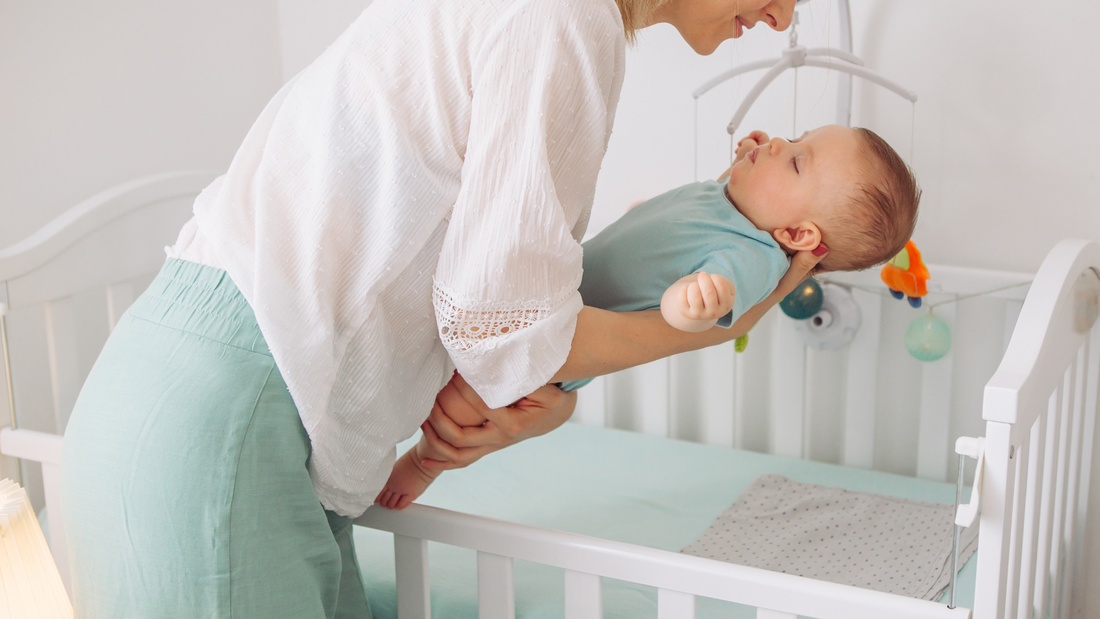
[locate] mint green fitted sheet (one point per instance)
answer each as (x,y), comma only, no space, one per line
(611,484)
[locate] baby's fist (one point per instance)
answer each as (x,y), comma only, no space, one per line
(754,139)
(709,297)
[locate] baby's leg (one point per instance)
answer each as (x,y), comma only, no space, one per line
(410,478)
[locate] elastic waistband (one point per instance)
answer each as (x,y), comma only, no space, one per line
(201,300)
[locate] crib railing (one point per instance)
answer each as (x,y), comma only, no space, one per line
(876,394)
(1040,409)
(679,578)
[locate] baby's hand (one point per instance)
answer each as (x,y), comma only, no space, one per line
(709,297)
(754,139)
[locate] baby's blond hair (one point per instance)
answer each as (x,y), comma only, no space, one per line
(881,213)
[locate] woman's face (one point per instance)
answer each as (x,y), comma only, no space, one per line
(704,24)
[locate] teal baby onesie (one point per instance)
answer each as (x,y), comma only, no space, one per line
(629,265)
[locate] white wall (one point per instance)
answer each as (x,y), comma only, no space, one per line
(94,94)
(306,28)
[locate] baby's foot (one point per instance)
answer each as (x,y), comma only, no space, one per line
(407,481)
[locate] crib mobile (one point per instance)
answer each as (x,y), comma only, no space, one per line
(827,314)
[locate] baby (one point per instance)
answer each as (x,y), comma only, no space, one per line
(706,252)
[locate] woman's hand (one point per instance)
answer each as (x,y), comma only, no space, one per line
(535,415)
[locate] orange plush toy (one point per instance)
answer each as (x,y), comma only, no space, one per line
(906,275)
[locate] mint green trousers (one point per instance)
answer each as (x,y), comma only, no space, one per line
(184,480)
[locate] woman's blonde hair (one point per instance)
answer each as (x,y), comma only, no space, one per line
(636,15)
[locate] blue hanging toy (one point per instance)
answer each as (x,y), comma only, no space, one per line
(928,338)
(804,301)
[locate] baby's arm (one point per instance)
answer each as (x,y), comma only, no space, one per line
(697,301)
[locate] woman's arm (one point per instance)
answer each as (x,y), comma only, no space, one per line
(506,282)
(606,342)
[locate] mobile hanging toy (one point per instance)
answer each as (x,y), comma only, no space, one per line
(928,338)
(906,276)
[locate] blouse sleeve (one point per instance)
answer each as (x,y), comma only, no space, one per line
(544,88)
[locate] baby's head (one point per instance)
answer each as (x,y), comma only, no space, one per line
(842,187)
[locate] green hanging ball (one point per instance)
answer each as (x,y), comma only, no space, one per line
(928,338)
(804,301)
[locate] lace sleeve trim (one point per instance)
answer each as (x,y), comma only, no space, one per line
(469,327)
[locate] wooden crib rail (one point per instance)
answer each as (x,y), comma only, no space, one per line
(679,578)
(1040,408)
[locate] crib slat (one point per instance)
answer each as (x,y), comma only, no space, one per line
(64,360)
(654,383)
(859,417)
(496,593)
(675,605)
(1030,524)
(413,589)
(1046,505)
(718,393)
(59,548)
(701,395)
(119,298)
(637,399)
(687,411)
(763,613)
(591,407)
(1016,541)
(935,410)
(1061,499)
(751,397)
(996,522)
(788,389)
(583,596)
(1076,596)
(1064,590)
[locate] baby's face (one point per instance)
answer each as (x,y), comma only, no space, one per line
(782,184)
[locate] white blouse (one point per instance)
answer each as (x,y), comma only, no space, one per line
(458,139)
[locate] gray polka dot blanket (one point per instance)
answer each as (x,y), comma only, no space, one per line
(853,538)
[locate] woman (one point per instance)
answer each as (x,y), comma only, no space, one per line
(440,153)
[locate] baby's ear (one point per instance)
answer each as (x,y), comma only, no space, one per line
(804,237)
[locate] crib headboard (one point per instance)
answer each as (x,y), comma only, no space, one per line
(66,285)
(868,405)
(1040,408)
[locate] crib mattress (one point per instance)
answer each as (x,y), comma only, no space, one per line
(611,484)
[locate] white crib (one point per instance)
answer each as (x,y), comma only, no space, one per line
(867,406)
